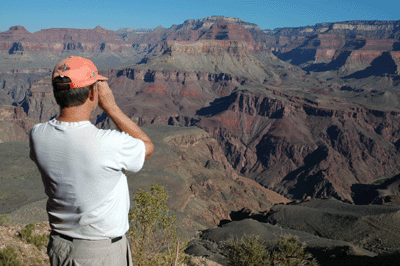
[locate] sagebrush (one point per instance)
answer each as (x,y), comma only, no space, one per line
(252,251)
(152,232)
(27,235)
(8,257)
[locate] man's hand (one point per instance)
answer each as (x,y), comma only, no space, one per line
(123,123)
(106,97)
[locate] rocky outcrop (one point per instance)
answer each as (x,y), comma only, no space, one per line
(15,33)
(207,22)
(224,30)
(14,124)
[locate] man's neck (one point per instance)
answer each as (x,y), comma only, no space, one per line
(74,114)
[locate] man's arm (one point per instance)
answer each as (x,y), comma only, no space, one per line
(123,122)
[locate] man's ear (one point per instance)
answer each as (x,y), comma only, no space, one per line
(92,93)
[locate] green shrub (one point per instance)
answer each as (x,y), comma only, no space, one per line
(289,252)
(152,233)
(39,240)
(26,232)
(8,257)
(5,220)
(251,251)
(36,240)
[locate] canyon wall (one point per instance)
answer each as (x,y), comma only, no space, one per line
(300,149)
(346,46)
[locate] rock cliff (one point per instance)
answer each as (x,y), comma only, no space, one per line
(14,124)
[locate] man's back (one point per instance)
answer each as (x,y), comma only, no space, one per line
(81,168)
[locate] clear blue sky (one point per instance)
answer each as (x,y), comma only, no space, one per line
(35,15)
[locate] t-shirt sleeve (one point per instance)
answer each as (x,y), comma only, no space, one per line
(131,153)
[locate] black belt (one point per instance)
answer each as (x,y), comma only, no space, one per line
(113,240)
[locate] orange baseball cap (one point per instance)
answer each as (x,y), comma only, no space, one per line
(81,71)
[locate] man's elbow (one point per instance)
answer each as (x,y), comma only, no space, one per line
(149,149)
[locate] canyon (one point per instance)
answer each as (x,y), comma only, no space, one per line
(249,118)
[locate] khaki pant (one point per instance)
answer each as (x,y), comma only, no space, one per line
(63,252)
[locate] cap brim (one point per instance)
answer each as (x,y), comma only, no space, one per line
(101,78)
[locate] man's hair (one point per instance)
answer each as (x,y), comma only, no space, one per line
(70,97)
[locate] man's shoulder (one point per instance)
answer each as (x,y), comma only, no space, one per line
(43,124)
(37,126)
(115,134)
(117,140)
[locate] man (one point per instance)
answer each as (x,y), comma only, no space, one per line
(82,168)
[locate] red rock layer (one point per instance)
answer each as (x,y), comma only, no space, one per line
(227,31)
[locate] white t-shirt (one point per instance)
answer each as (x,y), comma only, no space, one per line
(82,171)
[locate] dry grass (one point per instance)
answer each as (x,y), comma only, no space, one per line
(28,254)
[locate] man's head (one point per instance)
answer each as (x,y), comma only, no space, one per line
(73,78)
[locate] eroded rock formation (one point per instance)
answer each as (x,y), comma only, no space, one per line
(14,124)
